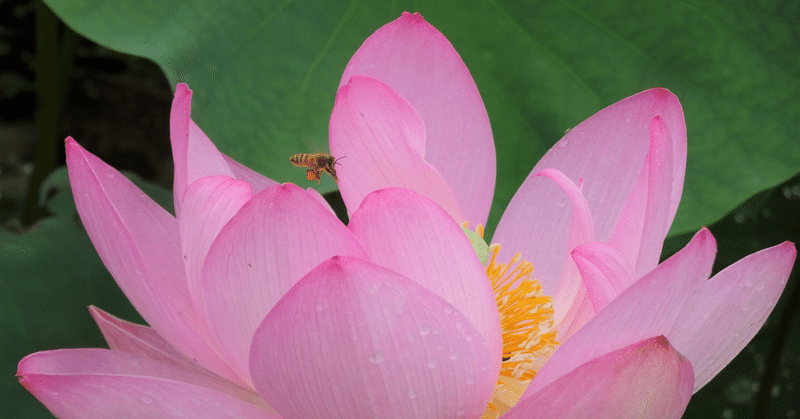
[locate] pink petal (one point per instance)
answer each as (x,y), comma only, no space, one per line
(606,152)
(194,154)
(647,379)
(419,63)
(257,181)
(604,270)
(272,242)
(208,204)
(138,242)
(98,383)
(569,296)
(647,308)
(137,340)
(652,203)
(383,139)
(724,313)
(411,235)
(355,340)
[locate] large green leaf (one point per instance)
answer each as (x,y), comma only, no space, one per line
(265,75)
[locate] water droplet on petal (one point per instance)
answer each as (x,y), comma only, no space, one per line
(454,354)
(147,399)
(412,394)
(376,357)
(424,330)
(322,304)
(432,363)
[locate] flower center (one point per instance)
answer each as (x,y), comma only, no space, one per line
(527,325)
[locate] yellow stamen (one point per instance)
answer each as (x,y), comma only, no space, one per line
(526,321)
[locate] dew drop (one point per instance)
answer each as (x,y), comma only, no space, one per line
(322,304)
(760,287)
(411,338)
(374,288)
(147,399)
(195,401)
(448,309)
(748,283)
(424,330)
(139,272)
(563,143)
(469,338)
(454,354)
(412,394)
(432,363)
(470,379)
(376,357)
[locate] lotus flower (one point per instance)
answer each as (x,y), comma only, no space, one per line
(262,304)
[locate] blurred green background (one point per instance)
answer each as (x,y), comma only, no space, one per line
(265,73)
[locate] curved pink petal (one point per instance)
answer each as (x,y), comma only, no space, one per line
(137,340)
(606,152)
(411,235)
(418,62)
(321,199)
(99,383)
(651,205)
(568,298)
(208,204)
(726,312)
(257,181)
(194,155)
(355,340)
(605,272)
(383,139)
(647,308)
(647,379)
(139,243)
(272,242)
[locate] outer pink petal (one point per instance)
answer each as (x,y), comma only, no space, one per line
(272,242)
(355,340)
(208,204)
(604,270)
(606,152)
(383,139)
(647,379)
(647,308)
(652,203)
(417,61)
(257,181)
(139,242)
(138,340)
(193,153)
(98,383)
(726,312)
(411,235)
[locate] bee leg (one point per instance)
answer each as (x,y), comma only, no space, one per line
(331,171)
(312,175)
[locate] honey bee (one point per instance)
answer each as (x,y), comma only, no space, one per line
(316,163)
